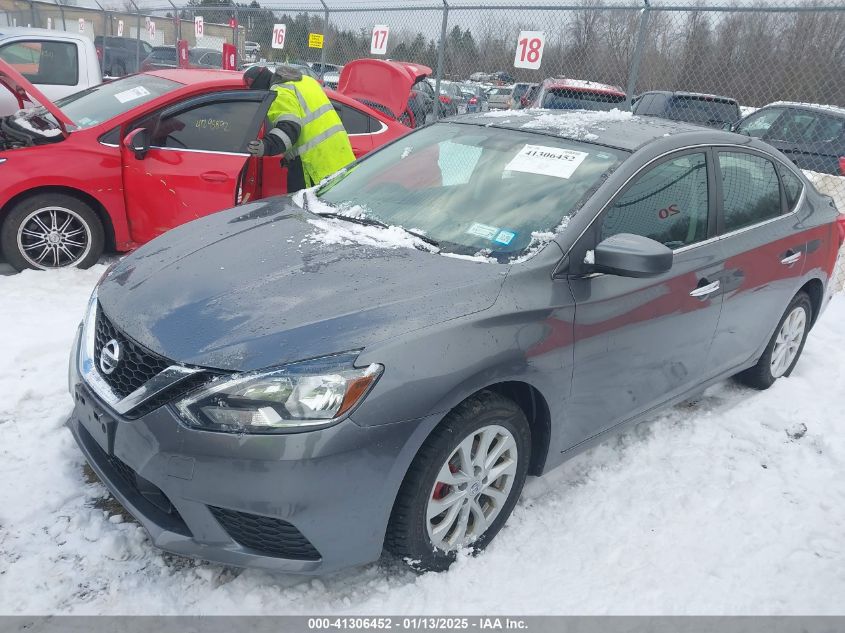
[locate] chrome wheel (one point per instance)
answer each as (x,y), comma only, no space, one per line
(53,237)
(471,488)
(788,341)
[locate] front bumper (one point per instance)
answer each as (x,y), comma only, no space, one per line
(306,503)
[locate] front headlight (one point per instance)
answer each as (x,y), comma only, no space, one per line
(294,397)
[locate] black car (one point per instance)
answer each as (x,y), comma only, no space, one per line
(811,135)
(692,107)
(121,56)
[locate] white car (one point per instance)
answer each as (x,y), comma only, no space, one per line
(58,63)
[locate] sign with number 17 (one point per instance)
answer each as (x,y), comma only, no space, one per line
(529,49)
(378,45)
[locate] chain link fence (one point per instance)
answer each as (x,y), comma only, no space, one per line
(754,55)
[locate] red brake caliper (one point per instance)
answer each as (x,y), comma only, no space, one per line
(441,489)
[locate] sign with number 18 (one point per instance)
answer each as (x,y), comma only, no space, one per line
(529,49)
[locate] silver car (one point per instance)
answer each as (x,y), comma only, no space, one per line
(500,97)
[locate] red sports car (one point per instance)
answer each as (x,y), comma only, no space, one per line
(79,177)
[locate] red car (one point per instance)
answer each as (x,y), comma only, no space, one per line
(118,164)
(560,93)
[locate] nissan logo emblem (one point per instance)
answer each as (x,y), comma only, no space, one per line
(110,356)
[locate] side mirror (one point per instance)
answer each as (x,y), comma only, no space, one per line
(628,255)
(138,141)
(728,126)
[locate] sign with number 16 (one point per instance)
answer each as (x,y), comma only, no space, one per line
(529,49)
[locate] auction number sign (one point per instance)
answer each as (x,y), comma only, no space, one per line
(199,27)
(378,45)
(529,49)
(120,28)
(151,31)
(279,31)
(81,25)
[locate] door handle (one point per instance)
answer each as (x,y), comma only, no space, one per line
(791,258)
(214,176)
(703,291)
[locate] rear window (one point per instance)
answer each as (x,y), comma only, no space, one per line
(165,54)
(701,110)
(570,99)
(500,91)
(101,103)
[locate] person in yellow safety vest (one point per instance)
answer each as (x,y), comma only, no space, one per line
(306,129)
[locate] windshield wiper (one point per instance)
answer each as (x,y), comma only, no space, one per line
(374,222)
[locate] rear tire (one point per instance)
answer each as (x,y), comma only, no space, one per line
(785,347)
(52,230)
(441,507)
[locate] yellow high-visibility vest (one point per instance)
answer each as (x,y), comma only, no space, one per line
(323,145)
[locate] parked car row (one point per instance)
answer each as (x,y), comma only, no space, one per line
(812,135)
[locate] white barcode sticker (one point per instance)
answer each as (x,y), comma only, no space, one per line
(546,161)
(132,94)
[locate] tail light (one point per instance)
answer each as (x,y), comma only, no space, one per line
(445,99)
(842,165)
(473,101)
(99,50)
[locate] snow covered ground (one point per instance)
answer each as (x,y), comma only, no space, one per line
(734,505)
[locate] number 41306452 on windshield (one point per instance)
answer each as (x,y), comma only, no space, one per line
(529,49)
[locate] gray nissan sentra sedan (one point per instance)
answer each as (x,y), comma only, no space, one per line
(293,386)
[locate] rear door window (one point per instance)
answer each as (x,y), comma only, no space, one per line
(354,121)
(44,62)
(792,186)
(750,190)
(668,203)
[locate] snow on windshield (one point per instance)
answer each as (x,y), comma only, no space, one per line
(336,231)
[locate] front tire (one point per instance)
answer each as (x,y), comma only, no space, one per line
(785,347)
(463,484)
(52,230)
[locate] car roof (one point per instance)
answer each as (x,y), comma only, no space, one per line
(16,31)
(818,107)
(615,128)
(682,93)
(209,77)
(582,84)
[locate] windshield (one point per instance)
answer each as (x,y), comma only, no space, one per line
(98,104)
(702,110)
(570,99)
(474,190)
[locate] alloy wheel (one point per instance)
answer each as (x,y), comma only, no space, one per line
(471,488)
(788,341)
(53,237)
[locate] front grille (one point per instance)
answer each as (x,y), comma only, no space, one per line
(148,497)
(267,535)
(137,364)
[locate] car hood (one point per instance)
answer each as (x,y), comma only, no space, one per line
(259,286)
(23,90)
(387,83)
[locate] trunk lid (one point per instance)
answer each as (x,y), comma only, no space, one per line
(381,82)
